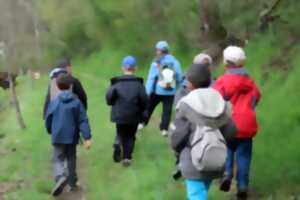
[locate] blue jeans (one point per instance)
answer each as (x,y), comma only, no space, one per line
(197,189)
(241,150)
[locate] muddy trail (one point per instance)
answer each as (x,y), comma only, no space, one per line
(10,187)
(253,195)
(79,194)
(76,195)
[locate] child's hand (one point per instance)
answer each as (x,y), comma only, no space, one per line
(88,144)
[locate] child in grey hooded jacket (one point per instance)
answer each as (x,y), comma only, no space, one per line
(203,106)
(200,59)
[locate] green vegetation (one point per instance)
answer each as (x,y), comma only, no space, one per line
(97,34)
(135,25)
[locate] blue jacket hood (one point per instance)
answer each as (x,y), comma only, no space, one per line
(165,59)
(66,96)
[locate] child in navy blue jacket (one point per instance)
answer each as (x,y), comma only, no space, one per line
(127,96)
(65,119)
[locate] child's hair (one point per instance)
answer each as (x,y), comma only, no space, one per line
(165,51)
(63,63)
(129,69)
(199,75)
(64,82)
(203,58)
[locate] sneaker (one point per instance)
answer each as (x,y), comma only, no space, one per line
(126,162)
(177,175)
(117,154)
(164,133)
(225,185)
(74,187)
(59,186)
(242,195)
(141,126)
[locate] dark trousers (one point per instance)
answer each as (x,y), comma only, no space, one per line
(167,102)
(126,135)
(65,154)
(239,150)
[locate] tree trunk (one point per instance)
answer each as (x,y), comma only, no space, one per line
(28,5)
(15,102)
(214,35)
(267,17)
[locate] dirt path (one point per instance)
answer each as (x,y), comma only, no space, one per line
(8,187)
(78,195)
(253,195)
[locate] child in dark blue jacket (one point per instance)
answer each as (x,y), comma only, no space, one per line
(127,96)
(65,118)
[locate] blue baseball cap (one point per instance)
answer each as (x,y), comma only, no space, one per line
(162,45)
(129,62)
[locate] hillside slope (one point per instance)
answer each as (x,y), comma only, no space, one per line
(25,167)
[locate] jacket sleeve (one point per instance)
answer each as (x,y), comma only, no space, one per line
(80,92)
(48,121)
(83,122)
(219,86)
(111,95)
(46,104)
(179,76)
(179,133)
(229,130)
(143,101)
(181,92)
(152,76)
(256,95)
(143,98)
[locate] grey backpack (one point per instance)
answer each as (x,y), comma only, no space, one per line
(208,149)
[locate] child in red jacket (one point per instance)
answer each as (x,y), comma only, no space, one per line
(237,87)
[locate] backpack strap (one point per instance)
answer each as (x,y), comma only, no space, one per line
(196,142)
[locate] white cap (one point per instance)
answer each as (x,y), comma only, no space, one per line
(235,55)
(202,58)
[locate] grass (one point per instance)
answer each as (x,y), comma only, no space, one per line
(26,155)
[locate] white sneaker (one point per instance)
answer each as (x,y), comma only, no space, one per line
(164,133)
(126,162)
(141,126)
